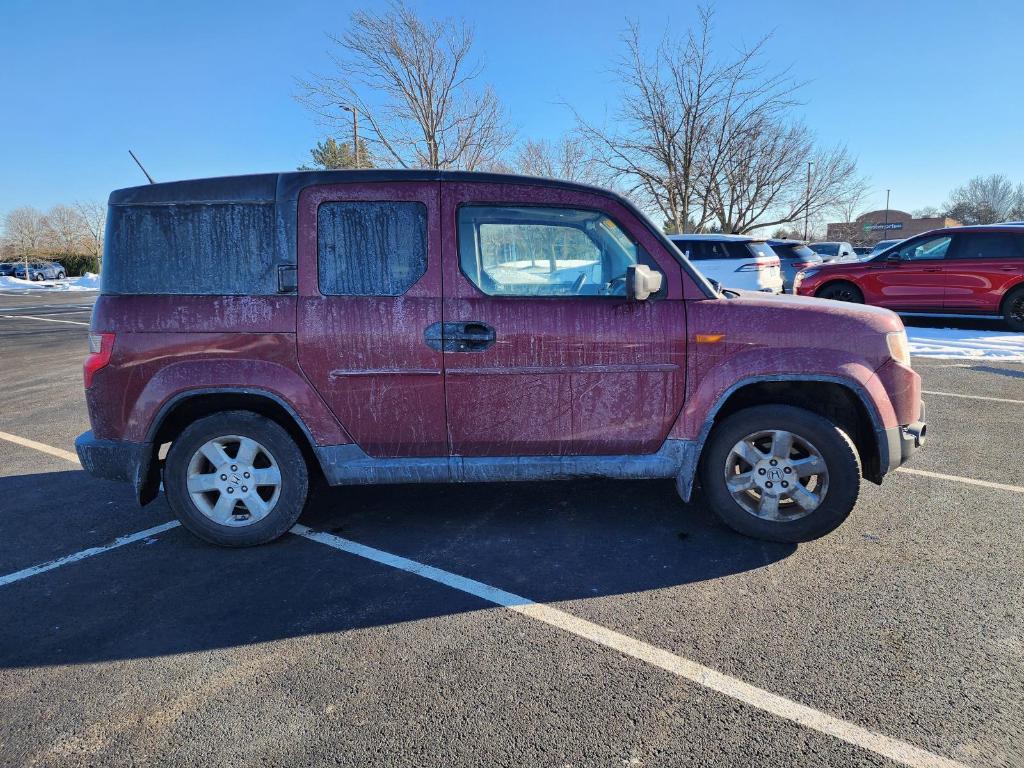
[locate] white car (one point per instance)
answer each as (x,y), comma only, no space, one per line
(734,261)
(834,251)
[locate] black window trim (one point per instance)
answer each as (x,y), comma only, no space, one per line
(640,250)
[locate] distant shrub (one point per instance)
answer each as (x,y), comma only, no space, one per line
(78,264)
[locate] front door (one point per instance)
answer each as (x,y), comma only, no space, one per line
(915,281)
(544,353)
(369,285)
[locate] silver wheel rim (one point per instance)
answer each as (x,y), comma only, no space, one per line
(776,475)
(234,480)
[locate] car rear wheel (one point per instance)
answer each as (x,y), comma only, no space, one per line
(37,277)
(61,275)
(841,291)
(1013,310)
(780,473)
(236,479)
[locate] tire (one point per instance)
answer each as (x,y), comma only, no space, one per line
(830,448)
(841,290)
(1013,309)
(37,277)
(60,276)
(259,514)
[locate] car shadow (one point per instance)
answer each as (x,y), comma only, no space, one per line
(1013,373)
(174,594)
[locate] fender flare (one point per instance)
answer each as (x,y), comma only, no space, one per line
(688,470)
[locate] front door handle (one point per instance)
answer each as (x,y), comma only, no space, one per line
(465,336)
(933,269)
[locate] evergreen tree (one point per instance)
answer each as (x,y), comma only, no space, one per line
(329,155)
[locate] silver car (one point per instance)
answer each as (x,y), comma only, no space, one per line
(40,270)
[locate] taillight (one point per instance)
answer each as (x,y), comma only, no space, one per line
(758,266)
(801,264)
(100,347)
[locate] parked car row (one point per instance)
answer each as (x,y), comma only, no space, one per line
(975,270)
(37,270)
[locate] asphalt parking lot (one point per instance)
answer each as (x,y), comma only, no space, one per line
(655,636)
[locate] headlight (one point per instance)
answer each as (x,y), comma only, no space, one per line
(899,347)
(804,274)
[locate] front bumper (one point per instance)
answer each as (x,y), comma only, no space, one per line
(120,460)
(904,441)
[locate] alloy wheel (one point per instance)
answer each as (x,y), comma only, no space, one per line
(234,480)
(776,475)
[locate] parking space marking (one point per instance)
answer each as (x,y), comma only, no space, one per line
(780,706)
(972,397)
(119,542)
(46,319)
(60,453)
(959,479)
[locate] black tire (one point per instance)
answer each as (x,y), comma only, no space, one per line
(841,290)
(37,277)
(1013,309)
(61,275)
(294,474)
(836,448)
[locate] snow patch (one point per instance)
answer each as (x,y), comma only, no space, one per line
(87,282)
(953,343)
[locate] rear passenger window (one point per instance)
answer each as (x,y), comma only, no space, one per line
(370,249)
(989,246)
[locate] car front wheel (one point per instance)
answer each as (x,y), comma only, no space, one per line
(841,291)
(236,479)
(780,473)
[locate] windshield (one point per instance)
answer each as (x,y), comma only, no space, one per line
(826,249)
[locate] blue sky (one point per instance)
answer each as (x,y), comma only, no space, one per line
(924,94)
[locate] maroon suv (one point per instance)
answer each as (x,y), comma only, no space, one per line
(419,326)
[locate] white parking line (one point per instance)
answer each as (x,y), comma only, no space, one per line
(120,542)
(972,397)
(47,319)
(41,447)
(780,706)
(966,480)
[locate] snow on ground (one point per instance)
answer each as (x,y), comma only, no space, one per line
(87,282)
(954,343)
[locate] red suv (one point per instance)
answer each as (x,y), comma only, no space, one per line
(420,326)
(961,271)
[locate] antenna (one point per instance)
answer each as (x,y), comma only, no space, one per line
(141,167)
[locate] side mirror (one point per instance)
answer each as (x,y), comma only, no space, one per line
(642,281)
(894,256)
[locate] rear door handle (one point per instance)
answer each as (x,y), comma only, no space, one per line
(933,269)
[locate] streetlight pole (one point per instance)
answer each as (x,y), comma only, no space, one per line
(885,226)
(807,202)
(355,132)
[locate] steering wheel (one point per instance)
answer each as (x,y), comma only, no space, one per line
(615,284)
(577,286)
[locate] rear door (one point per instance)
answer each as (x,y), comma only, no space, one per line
(981,269)
(544,354)
(915,281)
(369,287)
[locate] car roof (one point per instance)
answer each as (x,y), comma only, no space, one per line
(784,241)
(268,187)
(720,238)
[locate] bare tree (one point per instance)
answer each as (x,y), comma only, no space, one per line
(565,159)
(425,111)
(65,230)
(712,142)
(986,200)
(24,233)
(94,215)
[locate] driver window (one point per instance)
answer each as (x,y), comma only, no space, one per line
(931,248)
(527,251)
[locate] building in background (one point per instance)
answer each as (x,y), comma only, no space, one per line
(873,226)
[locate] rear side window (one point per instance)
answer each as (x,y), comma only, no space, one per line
(995,245)
(369,248)
(195,248)
(705,250)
